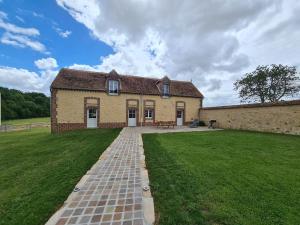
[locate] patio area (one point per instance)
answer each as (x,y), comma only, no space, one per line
(150,129)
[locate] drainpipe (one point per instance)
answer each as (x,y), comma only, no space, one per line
(141,109)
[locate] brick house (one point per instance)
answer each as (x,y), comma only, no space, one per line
(83,99)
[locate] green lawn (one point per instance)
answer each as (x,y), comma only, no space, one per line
(38,170)
(224,177)
(27,121)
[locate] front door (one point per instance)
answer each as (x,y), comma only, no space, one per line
(179,116)
(92,118)
(131,117)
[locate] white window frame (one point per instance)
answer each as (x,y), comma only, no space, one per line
(147,113)
(131,113)
(92,114)
(113,85)
(166,90)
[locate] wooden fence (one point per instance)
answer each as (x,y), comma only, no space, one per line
(10,127)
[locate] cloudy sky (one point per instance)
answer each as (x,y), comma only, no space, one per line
(211,42)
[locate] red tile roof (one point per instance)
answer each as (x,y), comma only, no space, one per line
(96,81)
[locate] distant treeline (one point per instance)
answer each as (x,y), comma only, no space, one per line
(16,104)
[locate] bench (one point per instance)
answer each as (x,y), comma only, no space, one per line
(165,124)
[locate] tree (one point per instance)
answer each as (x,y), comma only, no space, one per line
(17,105)
(268,84)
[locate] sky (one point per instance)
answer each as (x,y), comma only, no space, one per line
(211,43)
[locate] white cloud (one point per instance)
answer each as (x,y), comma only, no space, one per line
(22,41)
(20,19)
(46,63)
(35,14)
(211,42)
(63,34)
(84,67)
(26,80)
(3,15)
(20,36)
(87,16)
(18,30)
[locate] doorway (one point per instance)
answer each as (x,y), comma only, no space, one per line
(179,117)
(131,117)
(92,115)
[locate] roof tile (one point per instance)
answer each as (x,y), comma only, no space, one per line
(95,81)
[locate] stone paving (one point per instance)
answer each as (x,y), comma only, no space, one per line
(151,129)
(111,193)
(115,191)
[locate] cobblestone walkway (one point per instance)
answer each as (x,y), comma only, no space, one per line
(111,193)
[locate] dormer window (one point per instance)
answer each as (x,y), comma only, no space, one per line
(164,86)
(113,87)
(166,90)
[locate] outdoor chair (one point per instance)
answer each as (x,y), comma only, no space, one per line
(212,124)
(194,124)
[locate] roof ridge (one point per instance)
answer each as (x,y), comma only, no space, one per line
(138,76)
(182,81)
(123,75)
(85,71)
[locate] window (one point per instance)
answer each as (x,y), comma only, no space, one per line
(179,114)
(113,87)
(92,113)
(148,114)
(166,90)
(131,113)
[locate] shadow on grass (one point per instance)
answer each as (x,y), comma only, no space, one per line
(176,195)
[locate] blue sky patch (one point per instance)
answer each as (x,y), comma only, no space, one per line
(77,47)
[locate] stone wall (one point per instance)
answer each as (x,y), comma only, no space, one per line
(282,117)
(69,108)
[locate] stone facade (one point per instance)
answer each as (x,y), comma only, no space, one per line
(282,117)
(68,111)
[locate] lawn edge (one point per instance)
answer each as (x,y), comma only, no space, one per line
(54,218)
(148,202)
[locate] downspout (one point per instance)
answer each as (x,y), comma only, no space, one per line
(141,109)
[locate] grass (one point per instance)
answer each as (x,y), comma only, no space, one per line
(38,170)
(27,121)
(224,177)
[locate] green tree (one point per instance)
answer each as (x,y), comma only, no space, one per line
(268,84)
(18,105)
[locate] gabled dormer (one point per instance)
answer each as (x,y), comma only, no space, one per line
(164,87)
(113,83)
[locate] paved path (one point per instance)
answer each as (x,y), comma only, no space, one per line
(151,129)
(111,193)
